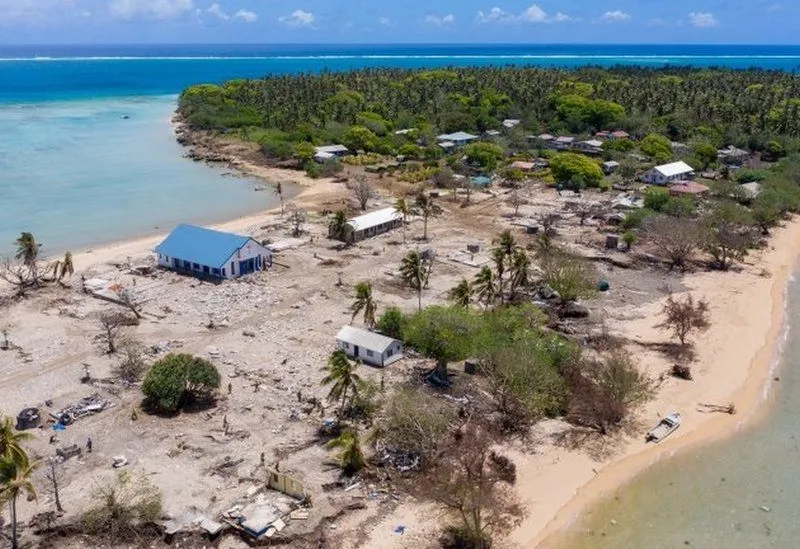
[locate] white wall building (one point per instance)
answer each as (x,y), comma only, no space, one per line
(214,254)
(667,173)
(375,223)
(369,347)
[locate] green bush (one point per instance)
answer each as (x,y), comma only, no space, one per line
(392,323)
(179,379)
(576,170)
(635,218)
(656,198)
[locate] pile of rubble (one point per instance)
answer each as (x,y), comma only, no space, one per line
(93,404)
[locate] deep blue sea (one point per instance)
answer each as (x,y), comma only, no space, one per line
(76,173)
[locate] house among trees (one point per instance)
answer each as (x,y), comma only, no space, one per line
(562,143)
(509,123)
(458,139)
(732,155)
(619,134)
(592,146)
(542,140)
(668,173)
(369,347)
(375,223)
(610,167)
(215,254)
(329,152)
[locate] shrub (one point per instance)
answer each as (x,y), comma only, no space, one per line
(125,508)
(179,379)
(635,218)
(576,170)
(392,323)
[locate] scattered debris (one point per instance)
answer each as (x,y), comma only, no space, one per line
(711,408)
(92,404)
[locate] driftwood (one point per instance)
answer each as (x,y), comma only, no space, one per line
(711,408)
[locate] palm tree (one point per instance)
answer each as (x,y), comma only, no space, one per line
(519,270)
(279,192)
(414,272)
(10,439)
(364,301)
(28,252)
(507,243)
(340,229)
(427,208)
(342,377)
(15,480)
(402,207)
(351,458)
(461,293)
(485,286)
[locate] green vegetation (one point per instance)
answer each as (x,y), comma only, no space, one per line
(708,107)
(178,380)
(343,379)
(576,171)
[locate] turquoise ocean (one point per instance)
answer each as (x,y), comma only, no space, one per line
(76,173)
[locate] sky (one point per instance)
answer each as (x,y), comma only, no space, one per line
(399,21)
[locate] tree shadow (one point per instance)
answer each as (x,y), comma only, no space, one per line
(673,351)
(598,446)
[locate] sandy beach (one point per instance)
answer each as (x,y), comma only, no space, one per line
(736,357)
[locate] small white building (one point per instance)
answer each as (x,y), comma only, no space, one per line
(213,254)
(667,173)
(375,223)
(610,167)
(329,152)
(369,347)
(459,139)
(509,123)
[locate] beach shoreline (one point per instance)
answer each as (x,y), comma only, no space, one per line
(749,397)
(592,482)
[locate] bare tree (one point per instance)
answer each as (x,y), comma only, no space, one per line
(53,475)
(128,298)
(585,209)
(111,325)
(604,392)
(297,218)
(363,191)
(676,238)
(515,200)
(132,365)
(684,317)
(19,276)
(476,484)
(278,191)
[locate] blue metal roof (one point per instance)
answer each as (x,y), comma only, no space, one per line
(200,245)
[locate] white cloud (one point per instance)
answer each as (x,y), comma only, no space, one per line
(496,15)
(702,20)
(149,9)
(774,7)
(246,15)
(532,14)
(298,19)
(385,21)
(438,21)
(216,11)
(614,16)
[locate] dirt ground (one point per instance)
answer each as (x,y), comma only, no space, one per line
(272,334)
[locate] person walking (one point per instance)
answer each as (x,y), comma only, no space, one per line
(89,445)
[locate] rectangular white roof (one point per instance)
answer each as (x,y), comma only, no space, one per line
(594,143)
(673,169)
(511,122)
(457,136)
(365,339)
(373,219)
(332,149)
(565,139)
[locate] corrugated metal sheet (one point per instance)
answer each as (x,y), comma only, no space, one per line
(200,245)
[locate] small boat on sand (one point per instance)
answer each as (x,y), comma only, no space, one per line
(664,428)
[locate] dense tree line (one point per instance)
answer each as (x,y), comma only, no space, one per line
(363,107)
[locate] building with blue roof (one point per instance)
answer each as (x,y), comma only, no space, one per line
(209,253)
